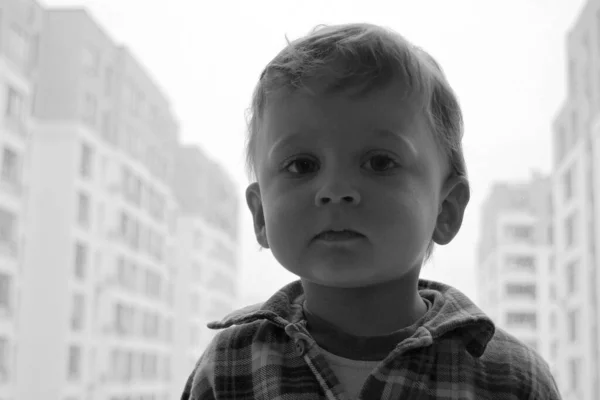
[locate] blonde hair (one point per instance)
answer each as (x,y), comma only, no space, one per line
(362,58)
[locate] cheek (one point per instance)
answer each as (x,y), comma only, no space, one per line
(284,215)
(405,217)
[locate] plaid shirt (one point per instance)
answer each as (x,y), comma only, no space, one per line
(457,353)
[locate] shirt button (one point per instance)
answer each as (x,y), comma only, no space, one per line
(300,347)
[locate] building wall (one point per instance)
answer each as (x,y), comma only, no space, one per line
(20,23)
(96,111)
(575,184)
(515,270)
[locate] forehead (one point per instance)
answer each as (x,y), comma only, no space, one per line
(312,114)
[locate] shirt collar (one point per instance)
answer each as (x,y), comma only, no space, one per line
(452,313)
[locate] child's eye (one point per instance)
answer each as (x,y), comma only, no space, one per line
(301,166)
(380,163)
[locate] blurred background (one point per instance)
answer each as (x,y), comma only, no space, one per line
(123,224)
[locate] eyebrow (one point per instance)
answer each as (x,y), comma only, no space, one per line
(389,134)
(378,133)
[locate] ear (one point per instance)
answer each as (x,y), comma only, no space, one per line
(454,199)
(254,201)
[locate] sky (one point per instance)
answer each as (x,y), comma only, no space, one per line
(505,60)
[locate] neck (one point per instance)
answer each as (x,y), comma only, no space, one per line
(374,310)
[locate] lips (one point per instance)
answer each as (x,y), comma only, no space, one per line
(332,235)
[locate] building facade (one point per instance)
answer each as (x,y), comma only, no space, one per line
(208,264)
(98,272)
(516,274)
(20,26)
(576,194)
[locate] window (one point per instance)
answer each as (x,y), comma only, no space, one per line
(152,285)
(572,77)
(144,238)
(570,230)
(198,240)
(521,290)
(159,250)
(85,167)
(132,142)
(521,320)
(81,260)
(90,105)
(78,312)
(196,272)
(122,271)
(553,320)
(149,366)
(15,105)
(167,369)
(5,291)
(18,46)
(168,330)
(124,224)
(74,363)
(7,227)
(574,373)
(130,230)
(122,363)
(519,233)
(121,319)
(134,240)
(574,124)
(573,321)
(10,166)
(4,360)
(568,183)
(128,367)
(572,272)
(126,178)
(554,349)
(83,210)
(34,45)
(90,61)
(125,317)
(150,325)
(108,81)
(521,263)
(106,127)
(136,191)
(561,143)
(553,295)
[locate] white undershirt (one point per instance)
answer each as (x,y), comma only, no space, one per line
(352,374)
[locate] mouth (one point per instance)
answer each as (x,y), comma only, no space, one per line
(339,235)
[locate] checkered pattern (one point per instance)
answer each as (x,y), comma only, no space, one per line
(266,352)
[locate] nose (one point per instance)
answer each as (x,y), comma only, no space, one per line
(337,192)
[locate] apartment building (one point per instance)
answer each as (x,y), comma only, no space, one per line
(208,265)
(96,320)
(516,272)
(576,194)
(20,25)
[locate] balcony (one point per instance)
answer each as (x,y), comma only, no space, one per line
(16,126)
(11,187)
(9,248)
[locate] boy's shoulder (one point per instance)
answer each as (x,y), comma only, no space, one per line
(488,359)
(507,356)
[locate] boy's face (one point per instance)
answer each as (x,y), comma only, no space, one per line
(369,165)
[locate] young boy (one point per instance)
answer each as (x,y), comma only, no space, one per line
(355,144)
